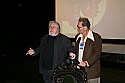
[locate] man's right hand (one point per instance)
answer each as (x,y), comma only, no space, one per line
(30,52)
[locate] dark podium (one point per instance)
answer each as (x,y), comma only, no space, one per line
(69,73)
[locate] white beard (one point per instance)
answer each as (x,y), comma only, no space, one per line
(52,34)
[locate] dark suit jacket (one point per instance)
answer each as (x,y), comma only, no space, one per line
(91,54)
(62,48)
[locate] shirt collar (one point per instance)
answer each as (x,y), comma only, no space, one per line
(90,36)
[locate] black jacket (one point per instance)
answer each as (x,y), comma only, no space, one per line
(62,48)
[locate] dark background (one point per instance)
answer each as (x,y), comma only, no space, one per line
(23,23)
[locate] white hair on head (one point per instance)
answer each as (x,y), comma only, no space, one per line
(55,23)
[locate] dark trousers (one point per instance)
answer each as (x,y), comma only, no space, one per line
(47,76)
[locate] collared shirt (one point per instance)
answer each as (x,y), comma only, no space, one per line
(82,43)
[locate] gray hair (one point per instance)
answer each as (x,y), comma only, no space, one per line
(55,23)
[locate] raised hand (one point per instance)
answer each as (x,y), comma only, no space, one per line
(30,52)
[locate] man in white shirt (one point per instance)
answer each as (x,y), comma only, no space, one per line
(88,50)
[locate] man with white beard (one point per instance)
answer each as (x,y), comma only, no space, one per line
(54,49)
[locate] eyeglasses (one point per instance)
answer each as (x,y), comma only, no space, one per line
(53,27)
(79,27)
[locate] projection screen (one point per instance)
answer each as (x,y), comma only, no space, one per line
(107,17)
